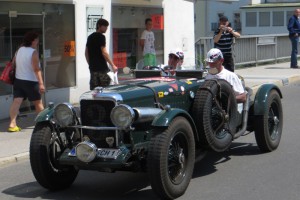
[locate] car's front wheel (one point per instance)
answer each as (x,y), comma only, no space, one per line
(171,159)
(45,148)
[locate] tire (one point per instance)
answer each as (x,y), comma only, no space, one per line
(171,158)
(268,128)
(44,152)
(216,128)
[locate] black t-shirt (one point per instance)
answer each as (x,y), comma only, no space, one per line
(94,43)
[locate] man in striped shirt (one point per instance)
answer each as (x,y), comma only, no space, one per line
(223,39)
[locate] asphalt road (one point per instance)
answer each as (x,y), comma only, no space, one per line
(242,172)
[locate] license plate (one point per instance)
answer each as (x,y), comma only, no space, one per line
(108,153)
(101,153)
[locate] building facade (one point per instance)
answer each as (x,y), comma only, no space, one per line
(64,26)
(249,17)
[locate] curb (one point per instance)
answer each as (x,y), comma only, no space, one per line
(15,158)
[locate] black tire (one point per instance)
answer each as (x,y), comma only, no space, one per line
(216,127)
(44,151)
(268,128)
(171,158)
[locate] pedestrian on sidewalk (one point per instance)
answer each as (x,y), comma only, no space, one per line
(294,33)
(223,40)
(97,56)
(29,82)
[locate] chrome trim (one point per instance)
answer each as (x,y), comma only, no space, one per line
(145,114)
(109,96)
(101,95)
(101,128)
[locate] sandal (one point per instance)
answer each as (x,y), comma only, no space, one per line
(14,129)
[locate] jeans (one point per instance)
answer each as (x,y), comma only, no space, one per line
(295,42)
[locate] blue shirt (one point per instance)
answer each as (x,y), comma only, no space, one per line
(294,25)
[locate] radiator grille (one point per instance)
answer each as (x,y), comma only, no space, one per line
(97,113)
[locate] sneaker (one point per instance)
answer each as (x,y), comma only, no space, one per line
(14,129)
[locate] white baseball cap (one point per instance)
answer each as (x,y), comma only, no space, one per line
(214,55)
(178,53)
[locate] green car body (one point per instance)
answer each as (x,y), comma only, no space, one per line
(170,120)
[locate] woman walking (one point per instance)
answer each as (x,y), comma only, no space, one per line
(29,82)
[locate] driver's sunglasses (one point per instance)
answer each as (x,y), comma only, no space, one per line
(171,56)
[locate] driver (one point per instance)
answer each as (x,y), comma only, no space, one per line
(217,71)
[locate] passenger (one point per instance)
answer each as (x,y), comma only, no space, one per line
(176,58)
(217,71)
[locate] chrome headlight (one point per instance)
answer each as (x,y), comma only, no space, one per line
(86,151)
(64,114)
(122,116)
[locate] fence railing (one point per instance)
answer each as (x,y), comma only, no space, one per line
(250,49)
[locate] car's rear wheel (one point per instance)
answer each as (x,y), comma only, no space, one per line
(215,113)
(268,127)
(171,159)
(45,148)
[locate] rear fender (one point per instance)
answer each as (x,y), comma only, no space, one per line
(262,96)
(165,117)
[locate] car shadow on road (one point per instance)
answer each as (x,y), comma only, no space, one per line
(123,185)
(91,185)
(208,164)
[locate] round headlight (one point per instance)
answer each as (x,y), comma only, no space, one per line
(86,151)
(122,116)
(64,115)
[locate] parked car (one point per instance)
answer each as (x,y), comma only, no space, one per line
(151,123)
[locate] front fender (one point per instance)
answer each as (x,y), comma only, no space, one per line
(165,117)
(45,115)
(262,96)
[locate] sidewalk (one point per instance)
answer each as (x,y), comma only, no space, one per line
(15,146)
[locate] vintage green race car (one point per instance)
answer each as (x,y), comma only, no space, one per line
(150,123)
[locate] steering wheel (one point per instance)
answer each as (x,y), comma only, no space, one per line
(152,68)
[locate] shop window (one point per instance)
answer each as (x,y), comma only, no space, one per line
(60,69)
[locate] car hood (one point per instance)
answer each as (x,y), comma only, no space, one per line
(145,92)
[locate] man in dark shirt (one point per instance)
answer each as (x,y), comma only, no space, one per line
(97,56)
(223,39)
(294,33)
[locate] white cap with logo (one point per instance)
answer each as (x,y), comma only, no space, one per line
(214,55)
(178,53)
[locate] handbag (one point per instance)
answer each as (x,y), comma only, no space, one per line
(9,73)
